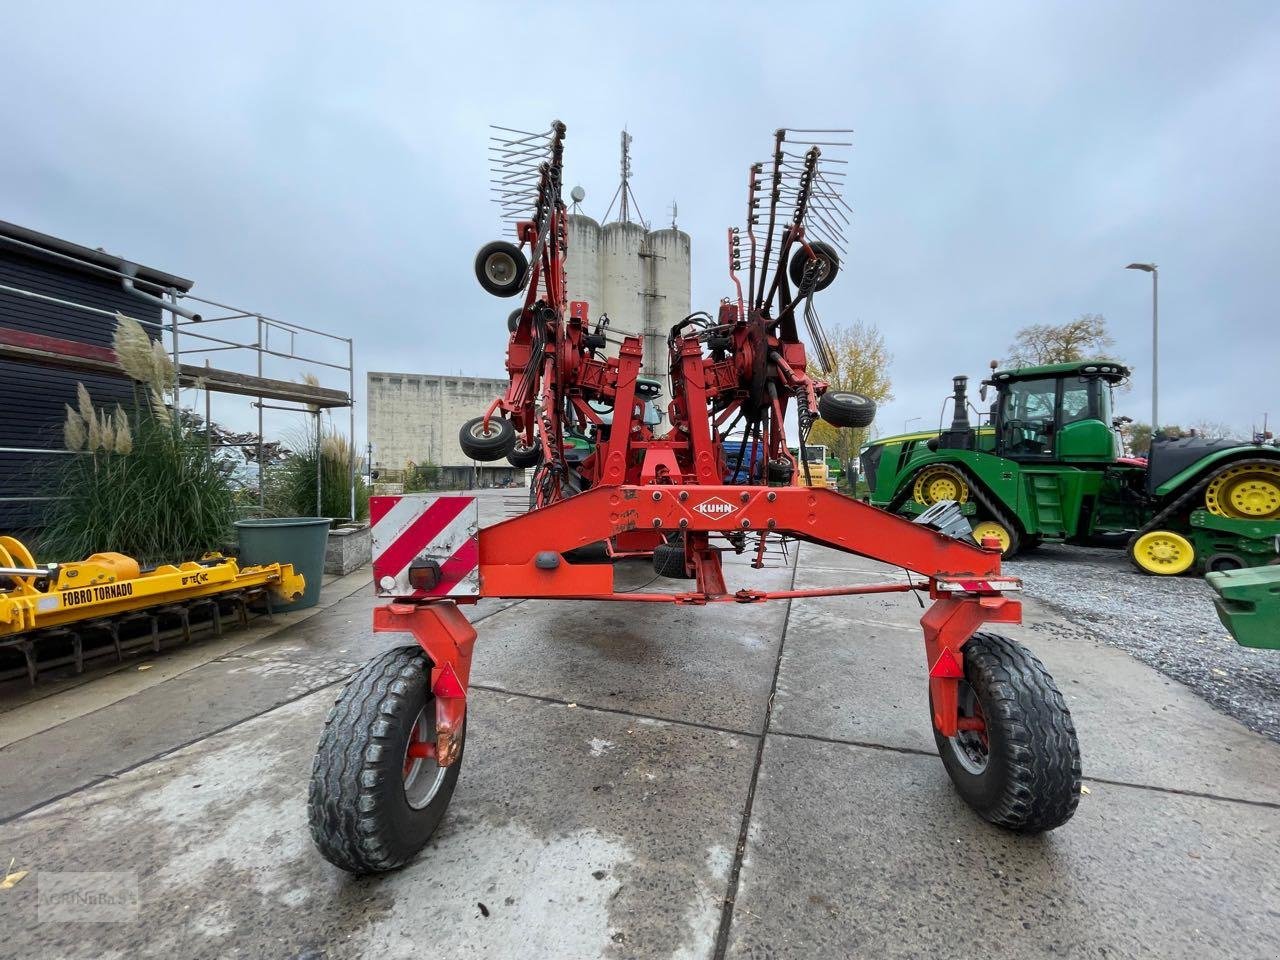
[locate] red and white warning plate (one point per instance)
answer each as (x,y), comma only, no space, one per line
(419,526)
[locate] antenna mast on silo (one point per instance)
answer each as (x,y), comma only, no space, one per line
(628,198)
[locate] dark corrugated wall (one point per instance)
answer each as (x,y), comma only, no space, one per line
(31,395)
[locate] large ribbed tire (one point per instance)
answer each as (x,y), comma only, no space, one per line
(668,561)
(369,813)
(1026,776)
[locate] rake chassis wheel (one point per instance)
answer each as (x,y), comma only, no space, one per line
(1015,759)
(376,797)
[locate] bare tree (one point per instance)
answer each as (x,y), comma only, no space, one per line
(1080,339)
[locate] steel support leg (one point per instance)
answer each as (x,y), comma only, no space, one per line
(448,638)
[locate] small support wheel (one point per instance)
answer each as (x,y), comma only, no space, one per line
(486,443)
(522,457)
(843,408)
(828,264)
(1016,759)
(668,561)
(501,268)
(375,796)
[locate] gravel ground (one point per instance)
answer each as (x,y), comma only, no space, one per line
(1166,622)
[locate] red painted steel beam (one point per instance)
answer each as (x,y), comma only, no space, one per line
(508,549)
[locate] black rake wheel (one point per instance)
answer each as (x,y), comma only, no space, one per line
(522,457)
(486,443)
(1023,771)
(844,408)
(501,268)
(370,805)
(828,264)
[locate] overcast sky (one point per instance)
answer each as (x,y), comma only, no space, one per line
(326,164)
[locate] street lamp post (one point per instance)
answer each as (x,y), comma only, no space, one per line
(1155,341)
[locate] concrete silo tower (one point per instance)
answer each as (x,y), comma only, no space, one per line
(638,276)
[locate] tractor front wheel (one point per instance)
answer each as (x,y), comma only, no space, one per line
(1163,552)
(376,795)
(1016,759)
(1005,534)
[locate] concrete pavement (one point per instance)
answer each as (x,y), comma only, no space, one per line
(646,782)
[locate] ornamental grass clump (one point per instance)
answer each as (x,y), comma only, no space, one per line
(291,489)
(142,485)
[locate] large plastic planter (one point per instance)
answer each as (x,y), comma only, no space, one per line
(296,540)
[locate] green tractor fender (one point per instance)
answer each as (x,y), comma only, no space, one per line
(1199,468)
(996,477)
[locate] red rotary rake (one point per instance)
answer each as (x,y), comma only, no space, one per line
(392,747)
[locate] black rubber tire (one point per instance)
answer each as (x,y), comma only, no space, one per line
(844,408)
(360,818)
(1223,561)
(513,319)
(668,561)
(502,268)
(1031,782)
(778,473)
(825,252)
(524,458)
(486,447)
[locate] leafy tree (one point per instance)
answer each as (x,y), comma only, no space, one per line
(1079,339)
(862,366)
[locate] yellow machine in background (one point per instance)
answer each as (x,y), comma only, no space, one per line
(109,590)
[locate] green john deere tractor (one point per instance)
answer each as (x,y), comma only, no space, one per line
(1049,467)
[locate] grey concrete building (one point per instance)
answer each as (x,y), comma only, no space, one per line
(414,419)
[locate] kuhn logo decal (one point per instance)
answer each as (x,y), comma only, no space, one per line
(715,507)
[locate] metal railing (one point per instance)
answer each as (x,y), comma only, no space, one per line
(185,325)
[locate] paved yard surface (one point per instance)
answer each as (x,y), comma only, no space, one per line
(748,782)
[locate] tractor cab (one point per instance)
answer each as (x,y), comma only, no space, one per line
(1056,413)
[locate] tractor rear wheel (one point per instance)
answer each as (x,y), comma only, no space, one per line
(1247,491)
(1018,765)
(371,805)
(939,482)
(1163,552)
